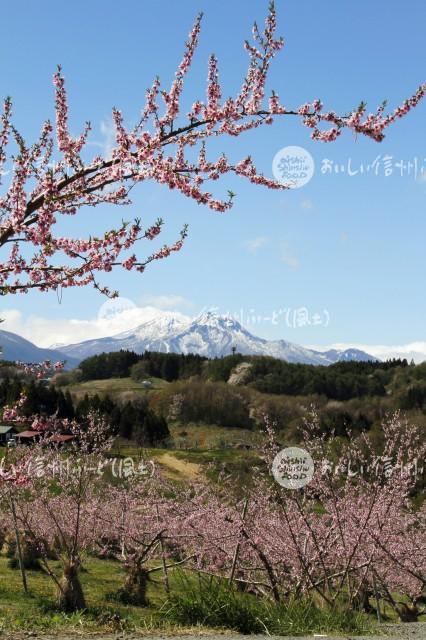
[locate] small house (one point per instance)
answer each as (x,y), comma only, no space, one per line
(27,437)
(6,434)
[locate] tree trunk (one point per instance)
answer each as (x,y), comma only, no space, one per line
(407,613)
(71,597)
(136,585)
(362,601)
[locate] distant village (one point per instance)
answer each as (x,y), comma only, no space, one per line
(11,437)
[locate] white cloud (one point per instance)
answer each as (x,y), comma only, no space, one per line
(45,332)
(255,244)
(167,302)
(411,350)
(306,204)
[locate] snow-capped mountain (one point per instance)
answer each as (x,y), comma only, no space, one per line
(209,334)
(339,355)
(16,348)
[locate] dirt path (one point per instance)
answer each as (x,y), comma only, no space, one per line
(190,470)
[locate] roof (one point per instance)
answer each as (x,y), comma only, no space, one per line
(61,438)
(6,429)
(28,434)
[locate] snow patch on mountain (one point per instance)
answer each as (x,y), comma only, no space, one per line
(209,334)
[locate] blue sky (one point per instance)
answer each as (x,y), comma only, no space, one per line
(349,246)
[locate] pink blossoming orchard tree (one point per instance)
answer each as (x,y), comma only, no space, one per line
(55,500)
(52,178)
(140,531)
(352,535)
(365,539)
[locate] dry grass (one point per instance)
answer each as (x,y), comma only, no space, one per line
(184,469)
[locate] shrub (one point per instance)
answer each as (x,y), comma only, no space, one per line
(213,603)
(30,553)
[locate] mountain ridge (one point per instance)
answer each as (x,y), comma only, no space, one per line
(208,334)
(16,348)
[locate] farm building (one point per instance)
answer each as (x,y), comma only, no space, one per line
(6,433)
(27,437)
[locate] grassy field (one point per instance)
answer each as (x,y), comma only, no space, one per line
(184,611)
(206,436)
(190,464)
(114,387)
(101,579)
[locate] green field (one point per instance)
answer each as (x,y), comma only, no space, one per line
(114,387)
(101,579)
(184,611)
(206,436)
